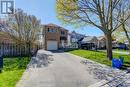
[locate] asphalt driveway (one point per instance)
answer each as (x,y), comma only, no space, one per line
(65,71)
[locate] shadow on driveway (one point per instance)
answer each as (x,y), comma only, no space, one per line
(41,60)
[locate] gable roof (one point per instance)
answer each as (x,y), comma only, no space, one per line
(51,24)
(73,32)
(101,38)
(54,25)
(89,39)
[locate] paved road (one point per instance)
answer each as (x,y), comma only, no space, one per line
(119,52)
(65,71)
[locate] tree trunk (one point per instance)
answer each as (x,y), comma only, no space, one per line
(109,46)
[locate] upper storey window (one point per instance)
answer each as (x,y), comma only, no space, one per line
(51,30)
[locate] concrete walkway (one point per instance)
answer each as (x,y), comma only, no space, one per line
(65,71)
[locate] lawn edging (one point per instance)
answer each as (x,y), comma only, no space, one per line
(89,60)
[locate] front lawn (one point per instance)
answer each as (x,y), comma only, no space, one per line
(12,71)
(100,56)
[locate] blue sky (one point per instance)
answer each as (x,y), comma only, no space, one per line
(45,11)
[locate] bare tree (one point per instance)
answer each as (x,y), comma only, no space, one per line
(124,14)
(124,30)
(103,14)
(23,28)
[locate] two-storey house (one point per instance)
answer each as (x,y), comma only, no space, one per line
(55,37)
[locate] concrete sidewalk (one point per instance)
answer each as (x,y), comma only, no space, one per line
(65,71)
(119,52)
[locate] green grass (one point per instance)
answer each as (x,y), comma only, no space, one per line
(12,71)
(99,56)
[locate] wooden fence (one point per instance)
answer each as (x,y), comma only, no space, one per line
(10,49)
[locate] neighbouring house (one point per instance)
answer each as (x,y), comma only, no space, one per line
(114,44)
(101,42)
(10,47)
(55,37)
(89,42)
(5,41)
(119,45)
(126,42)
(39,38)
(74,39)
(4,37)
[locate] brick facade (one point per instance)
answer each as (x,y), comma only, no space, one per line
(53,32)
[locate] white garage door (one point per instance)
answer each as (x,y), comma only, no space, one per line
(52,45)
